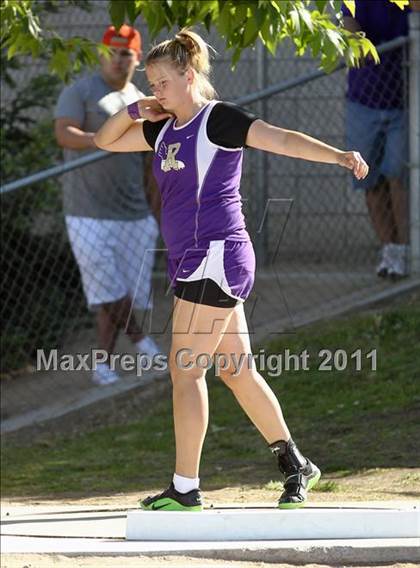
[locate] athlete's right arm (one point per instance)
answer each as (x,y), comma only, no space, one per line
(120,133)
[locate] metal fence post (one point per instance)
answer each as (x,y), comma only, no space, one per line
(262,162)
(414,139)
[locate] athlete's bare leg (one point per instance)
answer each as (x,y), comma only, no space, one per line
(249,387)
(196,329)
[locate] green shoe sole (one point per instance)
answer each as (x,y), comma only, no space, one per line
(311,484)
(169,504)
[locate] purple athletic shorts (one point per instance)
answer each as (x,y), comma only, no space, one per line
(230,264)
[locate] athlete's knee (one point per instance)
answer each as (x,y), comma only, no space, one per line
(183,365)
(235,378)
(228,377)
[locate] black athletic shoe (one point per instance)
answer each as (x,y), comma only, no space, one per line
(297,485)
(173,500)
(299,474)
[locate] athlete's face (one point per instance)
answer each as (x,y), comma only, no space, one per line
(169,86)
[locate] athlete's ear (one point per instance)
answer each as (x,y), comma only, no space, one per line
(189,73)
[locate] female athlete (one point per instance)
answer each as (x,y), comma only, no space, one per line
(198,146)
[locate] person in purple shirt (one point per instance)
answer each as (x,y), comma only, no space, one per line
(198,147)
(376,126)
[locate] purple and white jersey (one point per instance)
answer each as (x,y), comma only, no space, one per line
(197,167)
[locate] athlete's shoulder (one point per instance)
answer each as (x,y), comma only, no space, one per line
(227,108)
(228,124)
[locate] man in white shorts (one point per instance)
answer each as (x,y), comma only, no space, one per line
(110,227)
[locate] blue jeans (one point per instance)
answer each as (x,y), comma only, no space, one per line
(380,135)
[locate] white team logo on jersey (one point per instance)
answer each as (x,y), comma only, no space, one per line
(168,155)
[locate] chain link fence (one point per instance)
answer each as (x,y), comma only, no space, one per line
(316,244)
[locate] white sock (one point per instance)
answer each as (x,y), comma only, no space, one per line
(185,484)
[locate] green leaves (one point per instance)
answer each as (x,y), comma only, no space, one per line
(308,23)
(250,32)
(359,48)
(157,14)
(59,60)
(22,34)
(117,12)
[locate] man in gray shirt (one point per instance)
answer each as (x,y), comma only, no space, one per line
(109,224)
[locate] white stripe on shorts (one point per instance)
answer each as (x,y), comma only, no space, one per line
(212,266)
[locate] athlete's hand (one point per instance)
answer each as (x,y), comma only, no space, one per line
(150,109)
(353,161)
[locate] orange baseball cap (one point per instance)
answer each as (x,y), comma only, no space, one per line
(125,37)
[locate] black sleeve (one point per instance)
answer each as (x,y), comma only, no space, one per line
(151,130)
(228,125)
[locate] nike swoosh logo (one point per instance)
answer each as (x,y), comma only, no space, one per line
(155,508)
(190,136)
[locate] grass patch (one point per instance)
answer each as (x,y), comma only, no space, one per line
(327,487)
(344,420)
(273,486)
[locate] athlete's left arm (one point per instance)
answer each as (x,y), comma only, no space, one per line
(271,138)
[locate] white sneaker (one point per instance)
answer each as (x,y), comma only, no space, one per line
(384,262)
(147,346)
(398,261)
(104,375)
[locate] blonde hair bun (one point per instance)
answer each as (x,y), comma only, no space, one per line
(197,49)
(186,49)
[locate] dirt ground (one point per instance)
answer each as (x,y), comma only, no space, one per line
(392,484)
(46,561)
(382,485)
